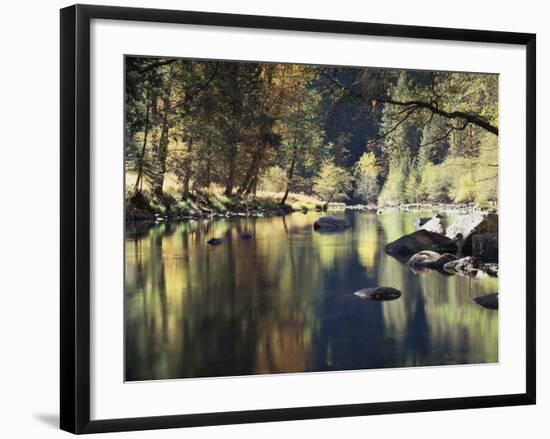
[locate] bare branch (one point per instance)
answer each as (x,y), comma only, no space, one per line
(392,129)
(433,107)
(453,128)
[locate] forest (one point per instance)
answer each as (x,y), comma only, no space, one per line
(207,136)
(232,265)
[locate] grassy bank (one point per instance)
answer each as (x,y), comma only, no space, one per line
(211,202)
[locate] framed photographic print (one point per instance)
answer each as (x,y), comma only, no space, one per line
(267,218)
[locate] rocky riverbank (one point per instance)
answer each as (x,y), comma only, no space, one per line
(151,209)
(141,208)
(467,246)
(144,207)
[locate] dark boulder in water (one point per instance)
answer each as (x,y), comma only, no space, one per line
(245,235)
(408,245)
(489,301)
(214,241)
(491,269)
(330,224)
(485,247)
(379,293)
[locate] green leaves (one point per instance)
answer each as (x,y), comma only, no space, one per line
(373,134)
(333,182)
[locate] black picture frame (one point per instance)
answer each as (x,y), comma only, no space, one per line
(75,217)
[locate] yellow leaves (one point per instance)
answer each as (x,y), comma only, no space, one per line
(463,179)
(368,163)
(466,191)
(332,182)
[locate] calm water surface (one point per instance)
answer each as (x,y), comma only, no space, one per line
(283,301)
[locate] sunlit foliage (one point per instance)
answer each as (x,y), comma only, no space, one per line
(332,183)
(405,136)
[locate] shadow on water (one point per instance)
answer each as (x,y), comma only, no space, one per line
(283,301)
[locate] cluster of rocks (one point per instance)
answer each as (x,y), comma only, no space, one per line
(444,207)
(211,214)
(139,210)
(431,259)
(363,207)
(467,247)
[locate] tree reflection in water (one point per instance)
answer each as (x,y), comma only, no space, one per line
(282,301)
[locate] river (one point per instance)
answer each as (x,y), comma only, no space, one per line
(282,302)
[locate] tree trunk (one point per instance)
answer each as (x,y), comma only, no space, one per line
(139,178)
(252,186)
(208,173)
(325,206)
(245,186)
(252,172)
(289,174)
(255,186)
(188,161)
(231,174)
(285,196)
(162,151)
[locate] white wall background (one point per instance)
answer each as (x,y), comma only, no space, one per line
(29,206)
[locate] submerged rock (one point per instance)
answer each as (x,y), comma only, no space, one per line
(489,301)
(423,258)
(214,241)
(245,235)
(467,266)
(379,293)
(408,245)
(430,259)
(330,224)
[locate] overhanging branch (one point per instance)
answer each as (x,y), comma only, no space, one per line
(417,105)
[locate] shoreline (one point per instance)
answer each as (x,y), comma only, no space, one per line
(269,208)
